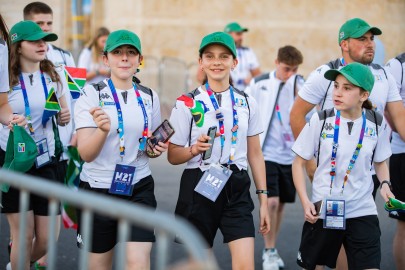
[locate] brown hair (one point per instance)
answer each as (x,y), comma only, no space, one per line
(290,55)
(15,66)
(93,46)
(36,8)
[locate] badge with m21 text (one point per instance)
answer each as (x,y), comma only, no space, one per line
(213,181)
(122,180)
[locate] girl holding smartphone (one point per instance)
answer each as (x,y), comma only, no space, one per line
(224,200)
(113,118)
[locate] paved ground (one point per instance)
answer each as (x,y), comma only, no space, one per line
(167,185)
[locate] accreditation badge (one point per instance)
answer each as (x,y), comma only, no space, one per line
(335,217)
(43,156)
(213,181)
(122,180)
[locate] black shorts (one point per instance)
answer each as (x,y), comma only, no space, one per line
(280,182)
(361,240)
(231,212)
(397,172)
(105,229)
(38,204)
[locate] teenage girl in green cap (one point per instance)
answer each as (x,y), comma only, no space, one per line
(113,119)
(346,140)
(33,79)
(214,191)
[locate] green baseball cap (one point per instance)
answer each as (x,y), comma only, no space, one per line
(356,73)
(21,152)
(221,38)
(355,28)
(122,37)
(30,31)
(234,27)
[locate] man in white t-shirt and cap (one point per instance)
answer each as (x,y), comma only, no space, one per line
(248,65)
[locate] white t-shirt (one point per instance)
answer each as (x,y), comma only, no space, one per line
(86,61)
(36,99)
(247,61)
(4,82)
(316,87)
(99,172)
(397,69)
(60,57)
(249,125)
(264,89)
(359,187)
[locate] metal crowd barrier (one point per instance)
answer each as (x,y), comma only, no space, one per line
(165,225)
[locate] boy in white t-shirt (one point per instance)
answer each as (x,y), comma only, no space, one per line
(397,68)
(344,140)
(275,93)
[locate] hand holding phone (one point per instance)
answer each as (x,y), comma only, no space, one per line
(318,207)
(161,134)
(212,131)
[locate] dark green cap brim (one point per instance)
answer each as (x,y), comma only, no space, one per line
(374,30)
(43,35)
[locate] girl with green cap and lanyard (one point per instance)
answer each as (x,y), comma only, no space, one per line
(346,140)
(34,83)
(113,118)
(214,192)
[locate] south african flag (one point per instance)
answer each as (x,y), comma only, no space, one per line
(52,106)
(76,78)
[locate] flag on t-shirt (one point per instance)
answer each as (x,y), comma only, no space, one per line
(196,107)
(51,106)
(76,79)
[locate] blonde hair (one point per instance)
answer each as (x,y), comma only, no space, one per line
(96,52)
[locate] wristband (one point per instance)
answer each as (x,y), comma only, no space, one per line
(262,191)
(386,182)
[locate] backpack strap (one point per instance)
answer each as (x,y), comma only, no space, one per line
(323,115)
(192,95)
(401,59)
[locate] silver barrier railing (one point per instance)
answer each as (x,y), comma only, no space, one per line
(164,224)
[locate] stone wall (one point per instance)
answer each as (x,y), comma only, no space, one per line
(175,27)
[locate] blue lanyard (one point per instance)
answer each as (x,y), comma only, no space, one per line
(335,148)
(220,118)
(27,103)
(142,142)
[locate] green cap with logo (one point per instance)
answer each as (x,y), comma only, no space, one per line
(234,27)
(221,38)
(356,73)
(21,152)
(30,31)
(120,38)
(355,28)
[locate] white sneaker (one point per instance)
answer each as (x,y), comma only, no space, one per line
(8,266)
(271,260)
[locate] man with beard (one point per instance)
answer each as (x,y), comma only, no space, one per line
(248,65)
(356,40)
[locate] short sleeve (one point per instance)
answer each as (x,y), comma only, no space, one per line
(4,82)
(394,88)
(156,115)
(306,144)
(255,122)
(84,103)
(180,119)
(316,87)
(383,149)
(85,59)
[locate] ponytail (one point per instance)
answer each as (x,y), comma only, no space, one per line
(367,105)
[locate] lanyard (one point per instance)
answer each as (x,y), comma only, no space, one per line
(27,103)
(220,118)
(335,148)
(142,141)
